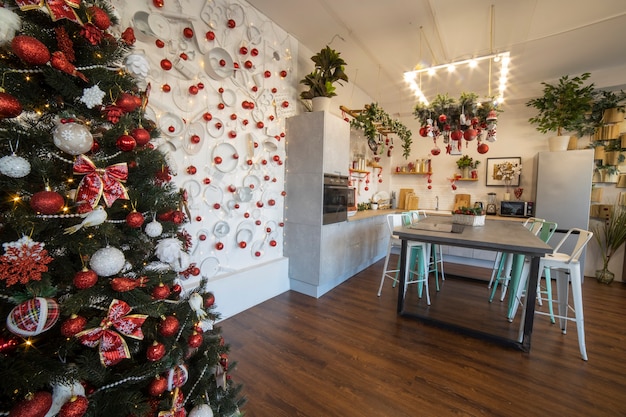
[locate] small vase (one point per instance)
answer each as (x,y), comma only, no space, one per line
(507,197)
(465,172)
(604,276)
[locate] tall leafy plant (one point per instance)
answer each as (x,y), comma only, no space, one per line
(563,105)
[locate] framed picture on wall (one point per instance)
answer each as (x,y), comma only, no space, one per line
(504,171)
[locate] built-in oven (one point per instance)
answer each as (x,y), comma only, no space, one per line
(337,196)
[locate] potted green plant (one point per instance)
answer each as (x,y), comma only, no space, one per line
(329,69)
(562,108)
(465,164)
(610,236)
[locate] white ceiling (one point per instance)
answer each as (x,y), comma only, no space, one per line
(380,40)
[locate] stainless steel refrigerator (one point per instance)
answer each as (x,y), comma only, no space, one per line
(564,192)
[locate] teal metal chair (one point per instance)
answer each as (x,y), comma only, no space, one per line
(417,272)
(509,265)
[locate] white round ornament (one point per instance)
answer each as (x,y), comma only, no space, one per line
(107,261)
(154,228)
(14,166)
(72,138)
(202,410)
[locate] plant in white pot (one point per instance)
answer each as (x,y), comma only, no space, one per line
(562,108)
(329,69)
(610,236)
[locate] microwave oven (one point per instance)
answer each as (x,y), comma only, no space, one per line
(517,208)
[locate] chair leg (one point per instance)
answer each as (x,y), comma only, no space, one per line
(549,294)
(494,270)
(578,310)
(562,287)
(499,275)
(382,279)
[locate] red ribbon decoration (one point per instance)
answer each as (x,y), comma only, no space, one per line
(59,9)
(98,183)
(113,347)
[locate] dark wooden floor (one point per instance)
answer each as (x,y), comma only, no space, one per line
(349,354)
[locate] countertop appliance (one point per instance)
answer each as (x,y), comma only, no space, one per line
(337,197)
(564,191)
(516,208)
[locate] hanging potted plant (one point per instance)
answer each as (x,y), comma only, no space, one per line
(610,236)
(562,108)
(374,120)
(329,69)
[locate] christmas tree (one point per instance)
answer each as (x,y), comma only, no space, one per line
(94,321)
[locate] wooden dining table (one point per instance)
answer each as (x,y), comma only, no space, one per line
(494,235)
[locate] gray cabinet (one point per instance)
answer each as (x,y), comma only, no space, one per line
(322,256)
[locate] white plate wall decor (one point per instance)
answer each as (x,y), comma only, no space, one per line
(232,125)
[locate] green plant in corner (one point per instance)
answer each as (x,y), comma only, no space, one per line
(610,236)
(563,105)
(329,69)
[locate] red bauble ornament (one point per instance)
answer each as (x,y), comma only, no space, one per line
(135,219)
(231,23)
(47,202)
(30,50)
(195,340)
(210,35)
(155,352)
(126,143)
(219,246)
(85,279)
(470,134)
(9,106)
(188,32)
(127,102)
(35,405)
(74,325)
(159,43)
(243,244)
(75,407)
(157,386)
(209,300)
(141,135)
(169,326)
(483,148)
(166,64)
(442,118)
(176,289)
(161,292)
(456,135)
(99,18)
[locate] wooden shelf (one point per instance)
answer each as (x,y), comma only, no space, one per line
(467,179)
(358,171)
(412,173)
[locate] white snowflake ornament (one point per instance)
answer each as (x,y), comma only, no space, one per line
(92,96)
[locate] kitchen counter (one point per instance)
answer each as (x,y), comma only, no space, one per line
(366,214)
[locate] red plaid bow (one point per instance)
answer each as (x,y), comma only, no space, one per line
(113,347)
(59,9)
(98,183)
